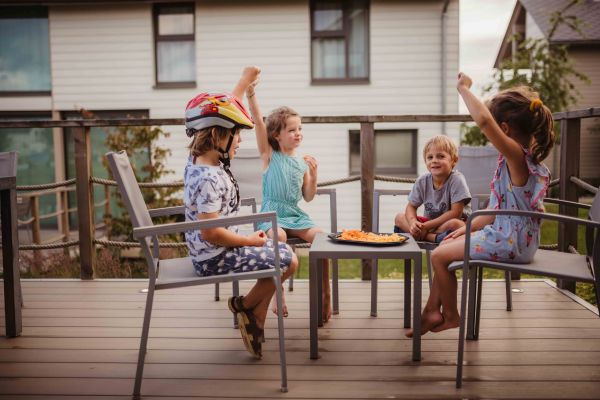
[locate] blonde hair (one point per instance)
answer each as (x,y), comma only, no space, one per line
(276,123)
(443,143)
(208,139)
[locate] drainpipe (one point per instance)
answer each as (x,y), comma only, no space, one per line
(443,50)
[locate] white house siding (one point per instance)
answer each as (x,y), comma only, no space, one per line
(102,59)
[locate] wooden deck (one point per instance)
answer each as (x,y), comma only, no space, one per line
(80,339)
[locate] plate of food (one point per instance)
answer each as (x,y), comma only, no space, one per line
(355,236)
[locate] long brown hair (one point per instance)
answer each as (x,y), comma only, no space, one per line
(521,108)
(276,123)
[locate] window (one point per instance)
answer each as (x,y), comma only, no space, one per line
(24,51)
(395,152)
(35,158)
(175,49)
(340,41)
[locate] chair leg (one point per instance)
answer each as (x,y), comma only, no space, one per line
(282,361)
(235,287)
(508,280)
(478,307)
(143,343)
(472,303)
(217,298)
(429,267)
(597,286)
(407,291)
(334,284)
(374,277)
(461,332)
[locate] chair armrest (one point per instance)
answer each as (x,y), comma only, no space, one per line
(178,227)
(332,205)
(166,211)
(377,193)
(249,202)
(567,203)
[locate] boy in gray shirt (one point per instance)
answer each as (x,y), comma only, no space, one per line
(442,191)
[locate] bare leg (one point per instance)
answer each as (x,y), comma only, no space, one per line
(309,235)
(401,222)
(282,238)
(451,225)
(259,297)
(443,290)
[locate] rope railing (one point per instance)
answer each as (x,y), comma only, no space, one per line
(114,243)
(45,186)
(584,185)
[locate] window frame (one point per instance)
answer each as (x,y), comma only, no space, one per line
(28,12)
(412,171)
(344,34)
(171,38)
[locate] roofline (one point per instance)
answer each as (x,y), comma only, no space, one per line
(506,39)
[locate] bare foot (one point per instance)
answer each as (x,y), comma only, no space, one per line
(285,309)
(448,323)
(327,311)
(429,320)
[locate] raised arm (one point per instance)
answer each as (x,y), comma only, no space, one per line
(249,75)
(264,148)
(483,118)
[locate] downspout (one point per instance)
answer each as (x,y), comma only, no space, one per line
(443,50)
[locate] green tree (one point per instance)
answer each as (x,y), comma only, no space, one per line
(545,67)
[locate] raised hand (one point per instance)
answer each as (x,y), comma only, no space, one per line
(464,80)
(312,166)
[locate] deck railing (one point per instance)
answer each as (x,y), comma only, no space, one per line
(570,128)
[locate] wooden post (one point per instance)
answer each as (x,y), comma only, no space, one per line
(35,227)
(64,217)
(10,244)
(85,206)
(107,215)
(569,166)
(367,167)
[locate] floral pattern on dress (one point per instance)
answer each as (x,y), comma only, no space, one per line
(512,238)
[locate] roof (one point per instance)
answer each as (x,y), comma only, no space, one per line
(587,11)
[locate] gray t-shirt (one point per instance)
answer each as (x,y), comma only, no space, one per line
(438,201)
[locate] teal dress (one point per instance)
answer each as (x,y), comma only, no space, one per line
(511,238)
(282,190)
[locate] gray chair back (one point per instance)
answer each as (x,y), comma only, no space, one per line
(132,197)
(247,169)
(477,164)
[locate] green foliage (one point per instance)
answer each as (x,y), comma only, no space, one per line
(546,68)
(148,161)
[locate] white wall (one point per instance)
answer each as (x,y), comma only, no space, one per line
(102,58)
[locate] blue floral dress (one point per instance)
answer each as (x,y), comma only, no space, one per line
(512,238)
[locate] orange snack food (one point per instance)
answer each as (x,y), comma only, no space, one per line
(357,235)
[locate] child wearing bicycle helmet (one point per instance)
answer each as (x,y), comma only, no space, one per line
(214,121)
(286,180)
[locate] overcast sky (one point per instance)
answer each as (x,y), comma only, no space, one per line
(482,27)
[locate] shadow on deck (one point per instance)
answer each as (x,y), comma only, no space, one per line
(80,339)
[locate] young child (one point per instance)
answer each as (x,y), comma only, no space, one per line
(518,124)
(443,192)
(214,121)
(287,179)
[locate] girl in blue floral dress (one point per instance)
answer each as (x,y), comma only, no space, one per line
(520,126)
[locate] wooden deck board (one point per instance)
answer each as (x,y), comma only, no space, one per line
(80,339)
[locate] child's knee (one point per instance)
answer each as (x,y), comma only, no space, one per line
(281,235)
(294,263)
(455,223)
(400,221)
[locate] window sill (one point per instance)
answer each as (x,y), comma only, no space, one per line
(175,85)
(340,81)
(19,93)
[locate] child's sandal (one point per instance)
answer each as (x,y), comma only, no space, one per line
(252,335)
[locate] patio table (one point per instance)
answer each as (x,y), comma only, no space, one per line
(324,248)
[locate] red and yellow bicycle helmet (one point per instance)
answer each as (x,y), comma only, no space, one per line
(216,109)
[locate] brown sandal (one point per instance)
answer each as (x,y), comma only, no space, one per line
(252,335)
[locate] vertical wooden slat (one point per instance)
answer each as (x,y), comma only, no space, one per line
(570,139)
(35,227)
(107,214)
(85,208)
(64,217)
(367,162)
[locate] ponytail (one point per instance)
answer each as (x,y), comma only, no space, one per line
(543,133)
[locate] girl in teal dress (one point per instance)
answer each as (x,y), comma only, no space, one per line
(287,179)
(518,124)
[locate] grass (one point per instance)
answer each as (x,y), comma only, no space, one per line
(394,269)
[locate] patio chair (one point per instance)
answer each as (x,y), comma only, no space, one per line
(179,272)
(554,264)
(247,168)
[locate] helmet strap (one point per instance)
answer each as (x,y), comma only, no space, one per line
(224,157)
